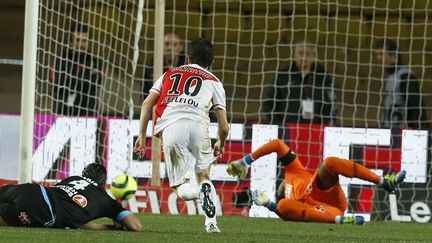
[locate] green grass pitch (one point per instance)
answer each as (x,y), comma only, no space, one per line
(164,228)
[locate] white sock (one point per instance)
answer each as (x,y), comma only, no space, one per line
(381,181)
(213,198)
(188,191)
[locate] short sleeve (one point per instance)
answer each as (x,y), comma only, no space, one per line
(116,211)
(218,99)
(157,86)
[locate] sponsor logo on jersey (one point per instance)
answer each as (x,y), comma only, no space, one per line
(80,200)
(24,218)
(319,208)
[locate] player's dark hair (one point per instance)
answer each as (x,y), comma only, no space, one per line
(201,52)
(95,172)
(391,46)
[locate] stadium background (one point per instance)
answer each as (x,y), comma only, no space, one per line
(253,39)
(344,32)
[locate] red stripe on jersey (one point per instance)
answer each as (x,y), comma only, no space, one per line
(168,84)
(200,72)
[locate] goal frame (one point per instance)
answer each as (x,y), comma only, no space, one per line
(28,90)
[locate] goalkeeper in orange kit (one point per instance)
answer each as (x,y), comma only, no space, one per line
(311,197)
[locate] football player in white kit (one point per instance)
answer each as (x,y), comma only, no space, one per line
(183,97)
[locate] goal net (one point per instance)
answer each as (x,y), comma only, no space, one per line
(312,73)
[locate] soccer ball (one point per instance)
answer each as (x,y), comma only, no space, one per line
(123,187)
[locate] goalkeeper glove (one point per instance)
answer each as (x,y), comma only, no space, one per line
(238,169)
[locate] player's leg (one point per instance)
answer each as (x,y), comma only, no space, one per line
(24,205)
(6,198)
(208,201)
(187,190)
(285,155)
(179,162)
(8,212)
(200,147)
(187,187)
(332,167)
(298,210)
(294,210)
(208,194)
(9,215)
(327,174)
(7,193)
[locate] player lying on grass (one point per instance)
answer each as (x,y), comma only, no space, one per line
(72,203)
(311,197)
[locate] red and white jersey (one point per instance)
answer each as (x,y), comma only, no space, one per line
(188,91)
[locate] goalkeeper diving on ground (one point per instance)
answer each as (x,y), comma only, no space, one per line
(311,197)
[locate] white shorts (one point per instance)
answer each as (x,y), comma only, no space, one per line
(187,149)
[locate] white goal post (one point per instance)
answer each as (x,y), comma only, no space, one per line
(28,90)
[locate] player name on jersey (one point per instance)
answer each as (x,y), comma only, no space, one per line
(178,99)
(71,189)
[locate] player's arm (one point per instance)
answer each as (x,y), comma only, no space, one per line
(222,131)
(145,116)
(240,167)
(123,219)
(126,220)
(219,104)
(146,111)
(130,223)
(96,226)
